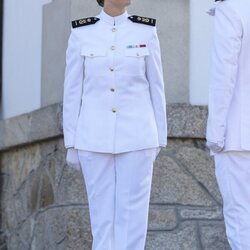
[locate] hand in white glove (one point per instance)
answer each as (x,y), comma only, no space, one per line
(72,158)
(215,147)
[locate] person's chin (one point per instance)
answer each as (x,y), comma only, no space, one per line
(129,2)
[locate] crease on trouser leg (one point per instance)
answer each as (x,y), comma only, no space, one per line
(233,175)
(98,172)
(134,176)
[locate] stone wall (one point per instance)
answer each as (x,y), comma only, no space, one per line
(44,203)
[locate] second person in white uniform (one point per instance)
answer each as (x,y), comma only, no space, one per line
(228,129)
(114,119)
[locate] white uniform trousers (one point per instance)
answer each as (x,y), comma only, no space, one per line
(233,177)
(118,188)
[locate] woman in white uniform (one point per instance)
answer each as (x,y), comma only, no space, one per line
(114,119)
(228,129)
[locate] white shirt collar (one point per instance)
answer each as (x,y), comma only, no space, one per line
(113,20)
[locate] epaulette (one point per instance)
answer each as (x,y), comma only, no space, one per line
(143,20)
(84,22)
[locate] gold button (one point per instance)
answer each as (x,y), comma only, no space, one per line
(113,110)
(113,48)
(112,89)
(114,30)
(111,69)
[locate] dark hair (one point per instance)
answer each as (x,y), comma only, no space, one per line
(100,2)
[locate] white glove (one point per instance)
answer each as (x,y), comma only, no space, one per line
(72,158)
(215,147)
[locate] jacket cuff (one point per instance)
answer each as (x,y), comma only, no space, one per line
(215,147)
(69,142)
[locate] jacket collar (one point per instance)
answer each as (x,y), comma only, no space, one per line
(113,20)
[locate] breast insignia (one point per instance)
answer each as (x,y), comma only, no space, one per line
(143,20)
(84,22)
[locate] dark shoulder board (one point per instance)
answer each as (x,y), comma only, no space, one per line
(143,20)
(84,22)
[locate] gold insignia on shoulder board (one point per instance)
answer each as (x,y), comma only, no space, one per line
(84,21)
(143,20)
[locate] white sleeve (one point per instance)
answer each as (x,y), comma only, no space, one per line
(73,87)
(226,48)
(154,75)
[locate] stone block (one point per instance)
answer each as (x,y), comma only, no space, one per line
(172,184)
(162,218)
(35,190)
(67,183)
(19,163)
(213,236)
(78,229)
(8,213)
(186,121)
(20,238)
(22,205)
(200,165)
(14,130)
(49,231)
(62,228)
(28,128)
(46,195)
(191,213)
(182,238)
(44,201)
(15,204)
(45,123)
(3,238)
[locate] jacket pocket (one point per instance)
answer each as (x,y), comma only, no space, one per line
(93,52)
(137,52)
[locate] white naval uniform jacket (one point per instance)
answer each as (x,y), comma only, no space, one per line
(114,98)
(229,93)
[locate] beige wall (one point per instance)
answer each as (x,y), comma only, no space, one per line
(201,29)
(33,74)
(22,42)
(173,29)
(56,28)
